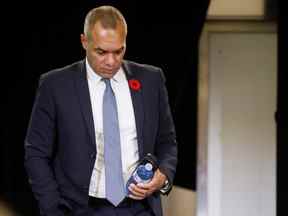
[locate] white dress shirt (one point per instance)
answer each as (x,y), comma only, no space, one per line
(127,126)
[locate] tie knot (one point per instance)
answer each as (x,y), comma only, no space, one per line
(107,82)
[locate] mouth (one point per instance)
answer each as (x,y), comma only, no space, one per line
(108,73)
(109,70)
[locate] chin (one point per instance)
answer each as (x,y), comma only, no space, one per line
(108,76)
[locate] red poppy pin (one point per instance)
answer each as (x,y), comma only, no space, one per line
(134,84)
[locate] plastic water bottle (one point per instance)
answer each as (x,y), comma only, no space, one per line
(142,174)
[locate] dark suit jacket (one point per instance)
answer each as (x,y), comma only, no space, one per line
(60,148)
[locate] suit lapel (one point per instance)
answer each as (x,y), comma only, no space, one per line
(82,91)
(137,100)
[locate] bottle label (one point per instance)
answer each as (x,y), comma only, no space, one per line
(138,179)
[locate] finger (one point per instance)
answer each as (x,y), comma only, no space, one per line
(151,186)
(136,194)
(144,186)
(140,188)
(148,191)
(135,191)
(135,197)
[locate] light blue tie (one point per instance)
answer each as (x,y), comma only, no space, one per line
(114,183)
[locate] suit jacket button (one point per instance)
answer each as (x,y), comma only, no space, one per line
(92,155)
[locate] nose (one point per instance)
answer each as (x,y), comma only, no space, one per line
(110,60)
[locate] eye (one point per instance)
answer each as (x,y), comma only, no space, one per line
(118,52)
(100,52)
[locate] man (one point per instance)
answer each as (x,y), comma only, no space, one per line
(91,124)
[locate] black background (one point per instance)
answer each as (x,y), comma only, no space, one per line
(42,35)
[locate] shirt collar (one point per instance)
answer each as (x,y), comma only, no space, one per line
(118,77)
(91,75)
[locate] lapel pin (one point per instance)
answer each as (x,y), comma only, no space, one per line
(134,84)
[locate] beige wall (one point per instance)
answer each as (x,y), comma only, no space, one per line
(236,8)
(238,68)
(180,202)
(242,106)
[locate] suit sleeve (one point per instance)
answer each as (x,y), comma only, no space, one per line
(166,145)
(39,147)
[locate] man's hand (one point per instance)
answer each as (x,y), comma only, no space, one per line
(141,191)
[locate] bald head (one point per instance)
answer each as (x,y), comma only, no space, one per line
(109,17)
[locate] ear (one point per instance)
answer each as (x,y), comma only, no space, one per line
(84,41)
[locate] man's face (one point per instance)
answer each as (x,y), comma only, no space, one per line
(105,49)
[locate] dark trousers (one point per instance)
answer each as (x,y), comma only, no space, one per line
(102,207)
